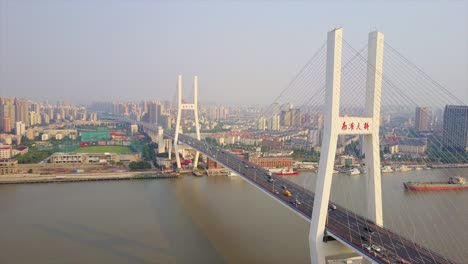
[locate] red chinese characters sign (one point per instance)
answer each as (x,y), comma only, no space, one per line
(354,126)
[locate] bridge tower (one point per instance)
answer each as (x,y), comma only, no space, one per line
(335,125)
(192,107)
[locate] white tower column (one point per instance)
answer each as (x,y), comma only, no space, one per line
(180,107)
(335,125)
(197,125)
(371,141)
(328,150)
(179,115)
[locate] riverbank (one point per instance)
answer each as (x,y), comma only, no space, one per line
(100,176)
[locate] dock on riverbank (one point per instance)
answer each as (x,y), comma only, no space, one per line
(25,178)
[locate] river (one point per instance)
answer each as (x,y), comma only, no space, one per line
(205,220)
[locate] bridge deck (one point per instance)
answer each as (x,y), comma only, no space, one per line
(342,223)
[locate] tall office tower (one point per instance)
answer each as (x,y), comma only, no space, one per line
(423,118)
(456,127)
(22,110)
(153,112)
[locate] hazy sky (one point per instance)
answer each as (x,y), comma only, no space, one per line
(242,51)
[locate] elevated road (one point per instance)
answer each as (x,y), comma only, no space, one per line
(342,224)
(376,243)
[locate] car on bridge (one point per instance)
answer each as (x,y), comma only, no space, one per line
(376,248)
(295,202)
(369,230)
(366,247)
(403,261)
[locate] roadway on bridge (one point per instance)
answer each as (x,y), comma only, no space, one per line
(355,230)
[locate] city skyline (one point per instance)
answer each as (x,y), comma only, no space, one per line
(140,48)
(351,136)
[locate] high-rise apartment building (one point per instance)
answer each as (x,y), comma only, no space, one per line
(296,120)
(6,125)
(154,112)
(319,121)
(274,123)
(285,118)
(456,127)
(22,111)
(423,118)
(7,110)
(20,129)
(261,123)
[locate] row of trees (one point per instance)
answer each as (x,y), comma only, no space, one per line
(139,165)
(34,156)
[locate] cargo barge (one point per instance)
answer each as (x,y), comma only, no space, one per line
(289,172)
(454,183)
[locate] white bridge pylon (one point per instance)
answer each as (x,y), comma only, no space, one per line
(192,107)
(368,126)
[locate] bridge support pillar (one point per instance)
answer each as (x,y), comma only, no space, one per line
(197,125)
(328,151)
(371,141)
(193,107)
(336,125)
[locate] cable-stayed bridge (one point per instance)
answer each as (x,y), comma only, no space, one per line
(339,73)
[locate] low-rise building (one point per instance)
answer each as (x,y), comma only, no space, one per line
(211,164)
(272,162)
(21,150)
(163,161)
(96,158)
(5,152)
(67,158)
(8,166)
(346,160)
(413,145)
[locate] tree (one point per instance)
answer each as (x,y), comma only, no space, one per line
(139,165)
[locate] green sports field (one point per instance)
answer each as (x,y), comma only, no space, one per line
(103,149)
